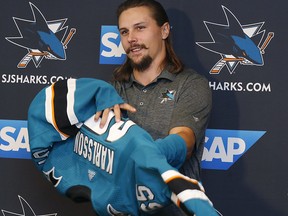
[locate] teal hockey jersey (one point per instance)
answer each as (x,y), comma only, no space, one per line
(119,167)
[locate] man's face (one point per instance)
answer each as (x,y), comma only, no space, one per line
(141,37)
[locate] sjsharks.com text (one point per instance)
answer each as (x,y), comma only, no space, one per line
(240,86)
(30,79)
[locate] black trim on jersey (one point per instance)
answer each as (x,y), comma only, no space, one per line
(178,185)
(60,112)
(79,193)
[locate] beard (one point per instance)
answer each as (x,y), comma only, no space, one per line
(144,63)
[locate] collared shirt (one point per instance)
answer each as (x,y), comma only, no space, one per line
(171,100)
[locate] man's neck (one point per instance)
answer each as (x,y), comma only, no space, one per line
(149,75)
(146,77)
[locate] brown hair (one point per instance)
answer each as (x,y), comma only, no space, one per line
(123,72)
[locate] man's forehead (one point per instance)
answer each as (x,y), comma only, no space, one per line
(134,16)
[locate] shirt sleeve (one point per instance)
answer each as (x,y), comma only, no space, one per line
(193,106)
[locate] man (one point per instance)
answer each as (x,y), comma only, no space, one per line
(169,99)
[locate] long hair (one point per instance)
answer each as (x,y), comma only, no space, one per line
(123,72)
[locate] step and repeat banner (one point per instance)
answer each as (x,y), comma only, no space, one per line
(245,167)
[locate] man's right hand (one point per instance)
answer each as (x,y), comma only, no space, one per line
(117,111)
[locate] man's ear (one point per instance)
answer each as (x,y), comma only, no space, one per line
(165,28)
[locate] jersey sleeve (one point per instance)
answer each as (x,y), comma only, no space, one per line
(59,109)
(188,194)
(173,147)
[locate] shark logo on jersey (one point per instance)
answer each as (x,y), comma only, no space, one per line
(26,210)
(114,212)
(50,175)
(236,43)
(41,38)
(168,95)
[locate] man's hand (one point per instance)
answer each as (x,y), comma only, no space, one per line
(117,111)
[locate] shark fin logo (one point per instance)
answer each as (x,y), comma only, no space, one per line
(50,175)
(114,212)
(168,95)
(41,38)
(26,210)
(236,43)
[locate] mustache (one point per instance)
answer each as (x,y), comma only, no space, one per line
(135,46)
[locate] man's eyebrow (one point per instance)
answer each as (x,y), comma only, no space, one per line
(134,25)
(140,23)
(122,29)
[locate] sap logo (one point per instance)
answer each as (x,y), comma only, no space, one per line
(111,50)
(224,147)
(14,142)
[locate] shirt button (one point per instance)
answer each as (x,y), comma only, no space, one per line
(141,103)
(144,90)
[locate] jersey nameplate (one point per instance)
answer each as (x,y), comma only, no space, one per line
(98,154)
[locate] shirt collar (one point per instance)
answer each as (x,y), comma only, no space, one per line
(165,74)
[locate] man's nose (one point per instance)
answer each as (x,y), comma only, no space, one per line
(132,37)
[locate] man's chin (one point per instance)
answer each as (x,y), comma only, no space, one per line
(135,60)
(141,64)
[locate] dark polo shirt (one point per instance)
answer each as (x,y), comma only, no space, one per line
(171,100)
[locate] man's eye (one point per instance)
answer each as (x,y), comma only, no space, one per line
(140,27)
(123,32)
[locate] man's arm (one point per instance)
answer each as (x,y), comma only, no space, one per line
(188,135)
(185,133)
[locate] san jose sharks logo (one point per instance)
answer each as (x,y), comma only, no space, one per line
(50,175)
(168,95)
(236,43)
(113,212)
(27,210)
(41,38)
